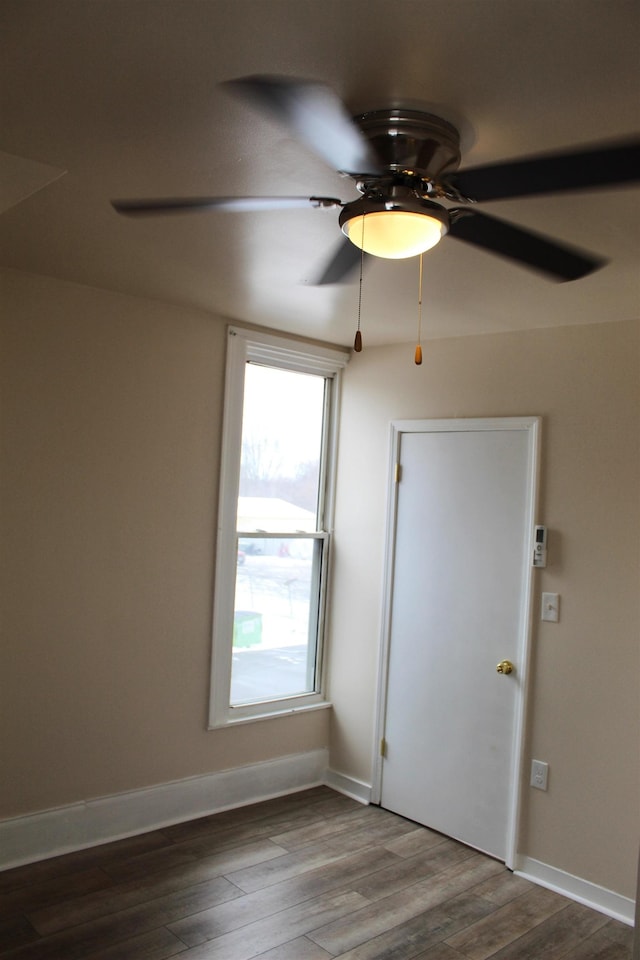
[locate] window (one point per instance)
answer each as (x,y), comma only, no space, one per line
(274,526)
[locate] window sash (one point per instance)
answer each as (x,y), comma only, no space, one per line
(325,446)
(312,645)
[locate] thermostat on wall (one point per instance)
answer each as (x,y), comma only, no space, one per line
(540,547)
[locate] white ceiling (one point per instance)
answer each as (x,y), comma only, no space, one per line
(125,97)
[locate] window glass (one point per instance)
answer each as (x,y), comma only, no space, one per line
(275,622)
(282,422)
(278,576)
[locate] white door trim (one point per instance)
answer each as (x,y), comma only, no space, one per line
(532,425)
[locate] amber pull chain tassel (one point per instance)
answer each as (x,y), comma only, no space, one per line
(357,343)
(418,354)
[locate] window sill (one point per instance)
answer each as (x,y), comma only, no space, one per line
(283,711)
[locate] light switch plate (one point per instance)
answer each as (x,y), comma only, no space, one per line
(551,607)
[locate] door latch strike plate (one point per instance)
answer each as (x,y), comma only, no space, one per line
(383,747)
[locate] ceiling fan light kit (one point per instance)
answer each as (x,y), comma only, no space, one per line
(394,229)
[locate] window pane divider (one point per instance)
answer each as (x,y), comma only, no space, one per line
(282,535)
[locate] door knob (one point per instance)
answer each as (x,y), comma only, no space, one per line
(505,666)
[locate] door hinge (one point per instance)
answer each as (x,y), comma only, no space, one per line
(398,473)
(383,747)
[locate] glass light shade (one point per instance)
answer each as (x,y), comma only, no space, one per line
(394,234)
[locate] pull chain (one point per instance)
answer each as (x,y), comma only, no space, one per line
(357,344)
(418,353)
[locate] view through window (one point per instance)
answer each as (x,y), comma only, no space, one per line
(280,535)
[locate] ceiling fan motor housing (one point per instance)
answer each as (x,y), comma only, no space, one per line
(412,142)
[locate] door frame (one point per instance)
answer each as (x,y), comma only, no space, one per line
(532,426)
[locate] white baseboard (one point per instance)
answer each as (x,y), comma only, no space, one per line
(583,891)
(79,825)
(349,786)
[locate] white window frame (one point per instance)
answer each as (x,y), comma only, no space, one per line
(244,346)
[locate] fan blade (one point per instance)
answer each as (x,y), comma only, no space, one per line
(558,261)
(344,261)
(151,207)
(315,115)
(603,166)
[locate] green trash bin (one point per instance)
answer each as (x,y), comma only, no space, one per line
(247,628)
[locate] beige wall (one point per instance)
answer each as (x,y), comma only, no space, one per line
(111,418)
(585,709)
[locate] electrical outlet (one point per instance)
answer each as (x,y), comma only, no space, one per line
(539,774)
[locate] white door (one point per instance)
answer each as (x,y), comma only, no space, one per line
(458,604)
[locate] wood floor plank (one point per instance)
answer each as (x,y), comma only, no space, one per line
(441,951)
(599,947)
(119,897)
(405,940)
(506,924)
(148,863)
(291,865)
(327,827)
(503,887)
(15,932)
(404,873)
(216,839)
(231,858)
(619,933)
(416,841)
(556,938)
(345,934)
(303,800)
(316,855)
(269,828)
(78,942)
(260,936)
(299,949)
(155,945)
(335,877)
(80,860)
(53,890)
(381,828)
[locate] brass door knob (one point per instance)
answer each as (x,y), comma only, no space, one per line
(505,666)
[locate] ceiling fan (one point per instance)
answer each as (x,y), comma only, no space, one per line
(405,167)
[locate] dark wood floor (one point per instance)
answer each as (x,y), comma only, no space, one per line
(306,877)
